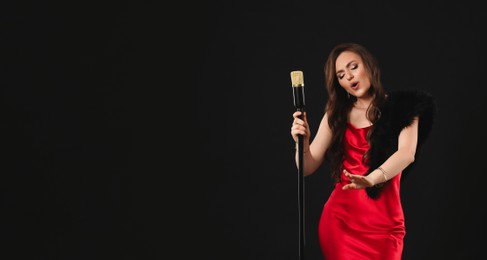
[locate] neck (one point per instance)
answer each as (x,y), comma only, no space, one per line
(363,103)
(360,105)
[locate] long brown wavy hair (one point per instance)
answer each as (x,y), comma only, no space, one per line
(340,103)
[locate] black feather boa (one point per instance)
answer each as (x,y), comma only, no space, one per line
(398,112)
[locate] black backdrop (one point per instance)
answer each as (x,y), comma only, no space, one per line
(139,130)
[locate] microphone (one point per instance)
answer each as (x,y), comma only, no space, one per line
(298,89)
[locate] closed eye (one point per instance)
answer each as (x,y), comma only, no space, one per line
(351,66)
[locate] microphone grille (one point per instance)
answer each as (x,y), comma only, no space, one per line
(297,78)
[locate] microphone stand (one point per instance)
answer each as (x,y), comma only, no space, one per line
(299,102)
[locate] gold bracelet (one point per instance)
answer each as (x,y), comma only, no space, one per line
(383,173)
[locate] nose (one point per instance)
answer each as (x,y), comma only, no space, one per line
(349,75)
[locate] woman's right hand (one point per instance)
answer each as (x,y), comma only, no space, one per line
(300,127)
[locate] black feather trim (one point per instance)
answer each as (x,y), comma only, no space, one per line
(398,112)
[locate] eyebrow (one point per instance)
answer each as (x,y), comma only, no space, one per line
(348,65)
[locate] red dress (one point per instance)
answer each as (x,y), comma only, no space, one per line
(355,226)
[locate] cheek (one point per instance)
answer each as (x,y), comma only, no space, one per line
(362,73)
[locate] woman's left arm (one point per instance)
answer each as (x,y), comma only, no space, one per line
(398,161)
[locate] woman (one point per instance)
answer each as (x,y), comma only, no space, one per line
(368,138)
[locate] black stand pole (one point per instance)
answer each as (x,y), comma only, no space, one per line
(299,102)
(301,194)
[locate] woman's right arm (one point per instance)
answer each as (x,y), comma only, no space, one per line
(313,152)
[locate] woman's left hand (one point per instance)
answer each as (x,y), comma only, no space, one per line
(357,181)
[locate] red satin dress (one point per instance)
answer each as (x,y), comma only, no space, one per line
(354,226)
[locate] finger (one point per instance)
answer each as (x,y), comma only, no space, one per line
(299,122)
(297,114)
(295,133)
(299,129)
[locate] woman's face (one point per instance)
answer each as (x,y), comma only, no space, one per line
(351,74)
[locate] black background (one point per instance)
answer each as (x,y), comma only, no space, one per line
(146,130)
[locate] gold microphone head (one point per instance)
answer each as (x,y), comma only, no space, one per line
(298,89)
(297,78)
